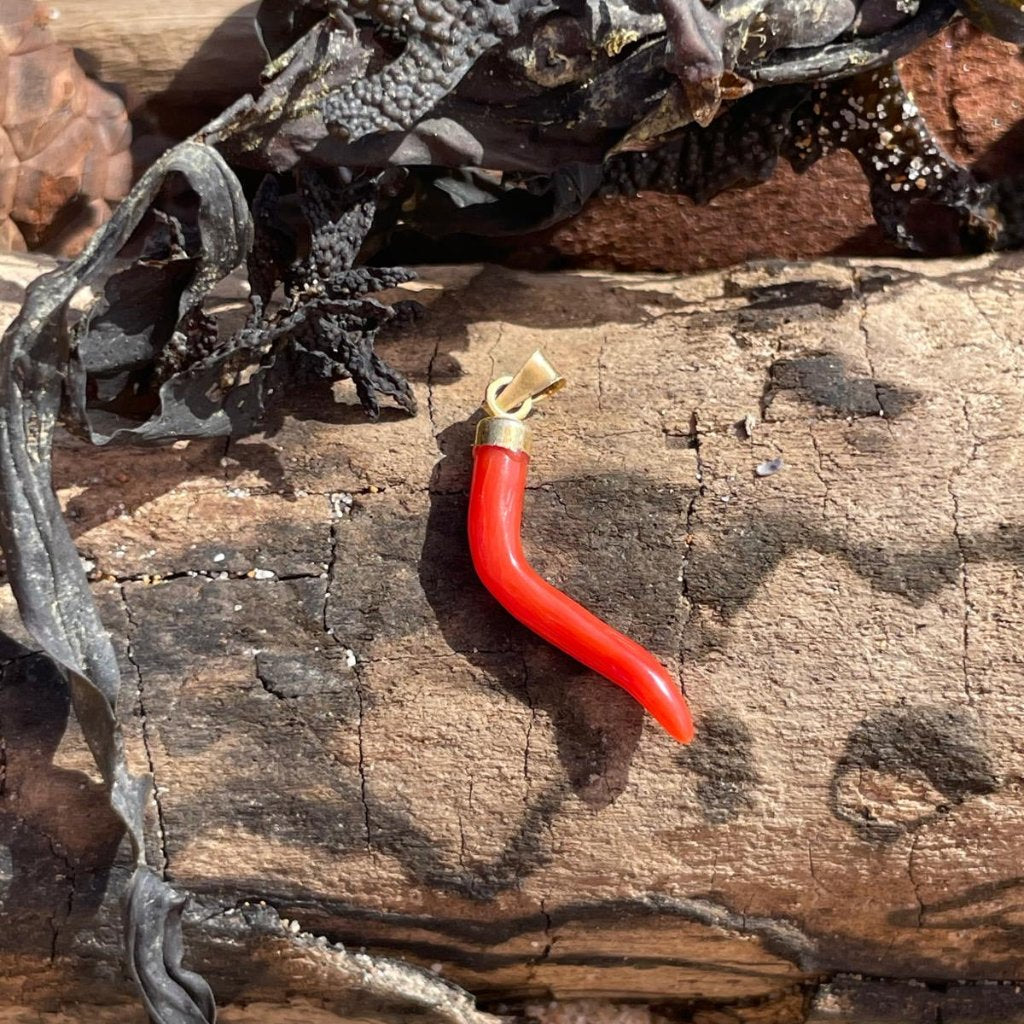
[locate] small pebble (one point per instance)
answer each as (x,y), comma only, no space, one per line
(770,467)
(341,504)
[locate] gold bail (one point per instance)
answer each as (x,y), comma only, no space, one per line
(535,380)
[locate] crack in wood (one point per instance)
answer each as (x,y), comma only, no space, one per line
(144,721)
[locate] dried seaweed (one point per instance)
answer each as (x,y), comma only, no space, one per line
(39,370)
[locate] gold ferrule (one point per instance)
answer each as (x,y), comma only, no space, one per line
(505,432)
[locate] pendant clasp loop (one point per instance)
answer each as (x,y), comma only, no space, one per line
(515,396)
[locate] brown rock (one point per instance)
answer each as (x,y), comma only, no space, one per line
(8,173)
(11,239)
(64,147)
(36,30)
(106,111)
(970,88)
(17,20)
(73,232)
(114,135)
(781,219)
(119,176)
(50,180)
(40,87)
(94,170)
(4,71)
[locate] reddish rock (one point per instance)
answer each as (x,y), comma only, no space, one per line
(50,180)
(8,172)
(120,173)
(11,239)
(824,211)
(64,139)
(18,19)
(94,172)
(971,90)
(970,87)
(41,87)
(72,235)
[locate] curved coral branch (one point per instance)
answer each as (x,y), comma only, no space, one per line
(495,518)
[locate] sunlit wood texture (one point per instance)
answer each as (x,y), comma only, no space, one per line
(343,723)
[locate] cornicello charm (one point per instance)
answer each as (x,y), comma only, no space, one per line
(501,457)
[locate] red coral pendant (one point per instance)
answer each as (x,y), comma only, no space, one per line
(500,463)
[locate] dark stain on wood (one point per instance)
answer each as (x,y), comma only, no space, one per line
(941,745)
(722,756)
(822,379)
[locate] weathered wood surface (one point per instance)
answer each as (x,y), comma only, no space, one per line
(341,722)
(188,59)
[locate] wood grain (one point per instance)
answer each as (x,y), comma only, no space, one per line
(180,63)
(341,722)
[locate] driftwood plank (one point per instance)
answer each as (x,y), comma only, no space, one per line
(180,63)
(342,723)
